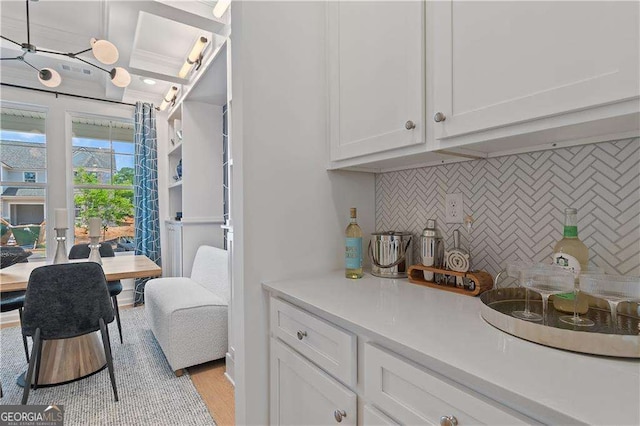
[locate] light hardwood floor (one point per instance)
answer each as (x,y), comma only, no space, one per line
(216,391)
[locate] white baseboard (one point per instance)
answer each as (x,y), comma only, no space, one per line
(229,369)
(230,380)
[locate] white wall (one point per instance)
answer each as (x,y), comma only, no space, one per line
(288,212)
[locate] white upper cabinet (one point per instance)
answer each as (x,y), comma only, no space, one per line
(376,60)
(498,64)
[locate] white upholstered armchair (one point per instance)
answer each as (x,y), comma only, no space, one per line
(188,316)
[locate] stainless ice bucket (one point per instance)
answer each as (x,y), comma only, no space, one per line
(390,254)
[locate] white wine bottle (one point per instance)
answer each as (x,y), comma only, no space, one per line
(571,254)
(353,248)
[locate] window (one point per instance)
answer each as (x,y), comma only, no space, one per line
(23,166)
(103,169)
(29,177)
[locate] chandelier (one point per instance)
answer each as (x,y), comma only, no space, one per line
(103,50)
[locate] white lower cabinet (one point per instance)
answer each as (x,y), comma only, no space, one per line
(303,394)
(173,259)
(373,417)
(413,395)
(306,389)
(331,348)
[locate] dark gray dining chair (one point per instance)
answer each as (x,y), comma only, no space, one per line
(81,251)
(64,301)
(14,300)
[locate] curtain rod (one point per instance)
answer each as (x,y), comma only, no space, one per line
(66,94)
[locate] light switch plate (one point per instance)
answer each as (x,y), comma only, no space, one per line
(453,208)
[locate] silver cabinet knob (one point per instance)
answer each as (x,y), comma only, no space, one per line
(339,414)
(409,125)
(301,334)
(439,117)
(448,421)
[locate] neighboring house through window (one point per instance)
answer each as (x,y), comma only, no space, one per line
(23,179)
(103,169)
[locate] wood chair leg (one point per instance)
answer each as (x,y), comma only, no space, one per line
(24,338)
(117,312)
(179,372)
(107,352)
(29,377)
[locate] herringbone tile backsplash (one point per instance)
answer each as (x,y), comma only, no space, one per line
(518,204)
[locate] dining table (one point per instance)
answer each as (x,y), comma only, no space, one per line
(67,360)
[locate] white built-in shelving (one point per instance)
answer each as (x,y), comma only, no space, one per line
(195,139)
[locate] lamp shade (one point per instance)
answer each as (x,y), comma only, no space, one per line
(49,77)
(120,77)
(104,51)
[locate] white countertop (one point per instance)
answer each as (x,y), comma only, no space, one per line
(448,327)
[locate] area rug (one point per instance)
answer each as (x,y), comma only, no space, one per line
(149,392)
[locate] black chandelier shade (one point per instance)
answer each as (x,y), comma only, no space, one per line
(104,51)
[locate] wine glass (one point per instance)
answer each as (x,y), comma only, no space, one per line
(547,280)
(614,289)
(576,319)
(514,270)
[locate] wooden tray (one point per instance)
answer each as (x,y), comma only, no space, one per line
(483,280)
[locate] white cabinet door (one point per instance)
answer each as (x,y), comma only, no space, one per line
(173,268)
(501,63)
(303,394)
(376,76)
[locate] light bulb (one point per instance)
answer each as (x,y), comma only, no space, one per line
(185,70)
(220,8)
(193,57)
(168,99)
(49,77)
(120,77)
(104,51)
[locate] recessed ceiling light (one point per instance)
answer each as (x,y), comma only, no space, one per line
(148,81)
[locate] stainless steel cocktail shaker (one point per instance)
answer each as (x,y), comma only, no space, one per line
(432,248)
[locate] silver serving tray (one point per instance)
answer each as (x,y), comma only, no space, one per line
(600,339)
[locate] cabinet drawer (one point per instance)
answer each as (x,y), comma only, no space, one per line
(373,417)
(413,395)
(330,347)
(303,394)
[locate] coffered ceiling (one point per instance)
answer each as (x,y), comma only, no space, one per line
(152,37)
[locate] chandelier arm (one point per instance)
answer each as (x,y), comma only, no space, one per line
(30,65)
(53,52)
(9,59)
(12,41)
(28,26)
(82,51)
(93,65)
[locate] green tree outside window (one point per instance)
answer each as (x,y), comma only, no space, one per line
(111,205)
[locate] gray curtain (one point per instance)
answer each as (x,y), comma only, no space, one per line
(145,196)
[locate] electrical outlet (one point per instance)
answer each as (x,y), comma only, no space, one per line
(453,208)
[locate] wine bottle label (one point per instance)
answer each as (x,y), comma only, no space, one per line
(570,231)
(353,253)
(567,262)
